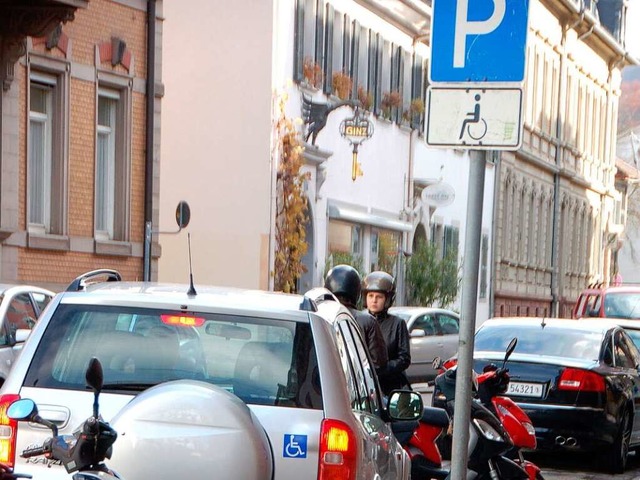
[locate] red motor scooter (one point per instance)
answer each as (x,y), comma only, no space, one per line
(422,447)
(493,382)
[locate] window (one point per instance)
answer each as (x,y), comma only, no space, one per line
(112,164)
(357,370)
(20,314)
(451,241)
(345,238)
(47,151)
(263,361)
(426,323)
(448,324)
(484,265)
(385,245)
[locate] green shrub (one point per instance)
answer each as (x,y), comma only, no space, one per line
(431,279)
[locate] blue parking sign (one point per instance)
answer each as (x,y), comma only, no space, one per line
(478,40)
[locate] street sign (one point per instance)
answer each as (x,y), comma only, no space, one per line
(480,118)
(478,40)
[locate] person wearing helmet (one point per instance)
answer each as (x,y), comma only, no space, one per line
(345,283)
(379,289)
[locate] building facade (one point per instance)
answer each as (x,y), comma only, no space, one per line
(220,104)
(559,215)
(76,183)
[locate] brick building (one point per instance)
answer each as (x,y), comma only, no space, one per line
(77,152)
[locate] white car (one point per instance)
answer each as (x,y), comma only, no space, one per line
(298,363)
(20,307)
(434,333)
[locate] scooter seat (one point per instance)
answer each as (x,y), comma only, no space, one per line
(435,416)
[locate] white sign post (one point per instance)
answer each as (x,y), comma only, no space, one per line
(477,66)
(479,118)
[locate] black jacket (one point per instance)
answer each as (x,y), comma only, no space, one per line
(396,336)
(373,338)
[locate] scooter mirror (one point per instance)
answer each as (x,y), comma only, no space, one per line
(510,348)
(94,375)
(24,409)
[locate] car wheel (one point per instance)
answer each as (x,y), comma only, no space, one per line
(616,457)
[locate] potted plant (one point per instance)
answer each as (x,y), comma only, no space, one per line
(342,85)
(365,98)
(312,73)
(390,100)
(414,114)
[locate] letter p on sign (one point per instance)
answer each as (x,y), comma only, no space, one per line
(478,41)
(465,27)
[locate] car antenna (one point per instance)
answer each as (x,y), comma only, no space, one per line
(543,324)
(192,291)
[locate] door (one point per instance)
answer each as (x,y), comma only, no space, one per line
(426,344)
(19,313)
(627,359)
(448,327)
(381,455)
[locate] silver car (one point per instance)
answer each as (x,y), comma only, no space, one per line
(434,333)
(298,363)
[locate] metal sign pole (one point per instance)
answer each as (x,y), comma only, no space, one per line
(470,267)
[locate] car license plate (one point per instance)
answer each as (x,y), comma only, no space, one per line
(525,389)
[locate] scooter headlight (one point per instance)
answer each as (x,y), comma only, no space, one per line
(488,431)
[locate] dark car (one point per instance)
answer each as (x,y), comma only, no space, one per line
(577,380)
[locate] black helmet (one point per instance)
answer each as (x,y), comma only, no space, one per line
(381,282)
(344,282)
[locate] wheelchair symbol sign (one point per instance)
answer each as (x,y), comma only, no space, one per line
(295,446)
(481,118)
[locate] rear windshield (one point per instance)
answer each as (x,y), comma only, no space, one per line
(262,361)
(622,305)
(534,340)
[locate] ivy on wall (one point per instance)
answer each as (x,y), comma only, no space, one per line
(291,203)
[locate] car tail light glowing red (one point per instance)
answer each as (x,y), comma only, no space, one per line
(338,451)
(581,380)
(8,431)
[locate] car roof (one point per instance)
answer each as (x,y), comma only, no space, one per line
(586,324)
(207,298)
(626,323)
(419,310)
(32,288)
(614,289)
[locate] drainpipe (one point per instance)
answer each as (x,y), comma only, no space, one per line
(556,258)
(493,265)
(149,141)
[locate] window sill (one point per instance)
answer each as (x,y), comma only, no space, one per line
(48,242)
(112,247)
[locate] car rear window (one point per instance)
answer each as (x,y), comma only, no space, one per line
(622,305)
(262,361)
(534,340)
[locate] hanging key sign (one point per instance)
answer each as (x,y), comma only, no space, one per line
(356,130)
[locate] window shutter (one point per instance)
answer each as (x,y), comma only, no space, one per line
(298,41)
(328,49)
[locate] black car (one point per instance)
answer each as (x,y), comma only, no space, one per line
(577,380)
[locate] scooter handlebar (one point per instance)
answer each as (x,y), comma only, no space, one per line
(36,451)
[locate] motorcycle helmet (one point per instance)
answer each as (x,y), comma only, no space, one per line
(344,282)
(381,282)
